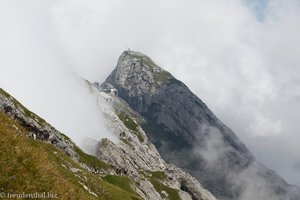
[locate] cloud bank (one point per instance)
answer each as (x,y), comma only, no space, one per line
(36,72)
(240,57)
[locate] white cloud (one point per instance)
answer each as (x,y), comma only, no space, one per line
(35,71)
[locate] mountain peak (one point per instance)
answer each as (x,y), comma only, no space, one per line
(138,73)
(187,133)
(138,57)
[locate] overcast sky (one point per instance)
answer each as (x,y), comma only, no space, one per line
(241,57)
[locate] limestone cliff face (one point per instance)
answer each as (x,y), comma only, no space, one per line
(187,134)
(134,156)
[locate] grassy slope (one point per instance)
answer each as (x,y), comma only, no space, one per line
(131,125)
(32,166)
(160,187)
(157,178)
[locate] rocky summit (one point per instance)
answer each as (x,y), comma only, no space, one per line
(188,135)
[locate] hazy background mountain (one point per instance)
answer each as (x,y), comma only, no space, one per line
(237,56)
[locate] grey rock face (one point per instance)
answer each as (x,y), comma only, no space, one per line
(134,156)
(187,134)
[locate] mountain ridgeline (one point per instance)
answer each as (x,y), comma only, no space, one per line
(167,145)
(187,134)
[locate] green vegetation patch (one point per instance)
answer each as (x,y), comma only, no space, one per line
(127,142)
(140,136)
(120,181)
(160,187)
(162,76)
(131,125)
(128,122)
(155,177)
(90,160)
(122,106)
(159,175)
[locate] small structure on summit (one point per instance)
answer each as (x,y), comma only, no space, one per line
(114,91)
(106,88)
(111,91)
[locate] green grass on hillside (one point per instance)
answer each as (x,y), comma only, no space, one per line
(159,175)
(155,177)
(31,166)
(90,160)
(120,181)
(129,123)
(160,187)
